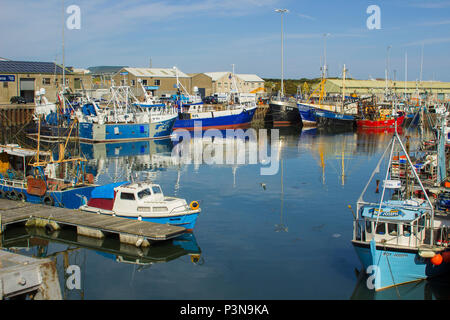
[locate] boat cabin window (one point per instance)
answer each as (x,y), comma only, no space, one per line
(381,228)
(144,193)
(406,230)
(368,226)
(126,196)
(156,189)
(393,229)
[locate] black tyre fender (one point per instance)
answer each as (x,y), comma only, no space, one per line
(21,196)
(48,200)
(13,195)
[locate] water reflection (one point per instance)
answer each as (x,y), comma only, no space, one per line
(432,289)
(68,248)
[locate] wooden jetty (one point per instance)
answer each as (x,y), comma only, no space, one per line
(21,275)
(130,231)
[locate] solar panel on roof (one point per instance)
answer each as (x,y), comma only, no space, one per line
(30,67)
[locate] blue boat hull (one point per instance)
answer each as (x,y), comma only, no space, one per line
(329,118)
(307,114)
(187,221)
(64,199)
(221,122)
(395,267)
(116,132)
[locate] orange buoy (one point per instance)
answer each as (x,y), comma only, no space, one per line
(194,205)
(437,259)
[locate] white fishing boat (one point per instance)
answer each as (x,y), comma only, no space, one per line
(142,201)
(42,105)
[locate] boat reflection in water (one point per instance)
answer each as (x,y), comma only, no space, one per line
(68,248)
(431,289)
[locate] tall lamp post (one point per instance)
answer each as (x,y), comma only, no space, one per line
(281,11)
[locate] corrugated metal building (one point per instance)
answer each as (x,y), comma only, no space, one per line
(439,90)
(157,80)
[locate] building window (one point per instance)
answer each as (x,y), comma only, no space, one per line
(157,82)
(46,81)
(144,82)
(133,82)
(5,84)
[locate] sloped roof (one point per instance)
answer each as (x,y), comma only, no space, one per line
(249,77)
(31,67)
(335,85)
(216,75)
(243,76)
(105,69)
(155,72)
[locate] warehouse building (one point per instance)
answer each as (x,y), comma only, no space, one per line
(222,82)
(438,90)
(158,81)
(25,78)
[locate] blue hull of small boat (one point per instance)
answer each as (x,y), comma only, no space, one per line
(388,267)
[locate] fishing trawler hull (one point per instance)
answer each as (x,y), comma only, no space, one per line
(283,113)
(217,120)
(119,132)
(364,123)
(331,119)
(70,199)
(51,133)
(307,114)
(389,266)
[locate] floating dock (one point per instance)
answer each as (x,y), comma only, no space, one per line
(130,231)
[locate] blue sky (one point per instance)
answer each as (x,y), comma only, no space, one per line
(210,35)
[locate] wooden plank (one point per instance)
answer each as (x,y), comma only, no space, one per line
(149,230)
(6,204)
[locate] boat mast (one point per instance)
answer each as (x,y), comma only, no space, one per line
(282,11)
(63,61)
(343,89)
(406,71)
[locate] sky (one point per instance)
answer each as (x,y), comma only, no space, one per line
(211,35)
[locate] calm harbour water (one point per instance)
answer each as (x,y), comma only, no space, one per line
(282,236)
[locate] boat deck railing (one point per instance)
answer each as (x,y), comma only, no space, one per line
(6,182)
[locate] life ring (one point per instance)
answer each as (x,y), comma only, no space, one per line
(21,196)
(194,205)
(48,200)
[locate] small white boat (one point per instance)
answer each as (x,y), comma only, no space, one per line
(43,106)
(143,201)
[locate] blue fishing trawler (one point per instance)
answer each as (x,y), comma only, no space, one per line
(307,113)
(121,120)
(24,178)
(398,239)
(238,112)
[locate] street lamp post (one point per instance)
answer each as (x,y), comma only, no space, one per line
(281,11)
